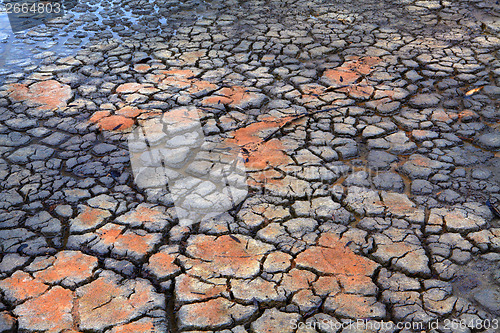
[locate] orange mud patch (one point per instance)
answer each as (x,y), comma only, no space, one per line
(224,250)
(129,88)
(358,91)
(190,58)
(91,216)
(351,70)
(124,118)
(351,283)
(190,288)
(441,115)
(149,115)
(129,112)
(145,214)
(200,85)
(175,82)
(110,235)
(384,93)
(142,68)
(128,241)
(224,255)
(341,76)
(74,264)
(49,312)
(268,58)
(216,100)
(347,77)
(249,136)
(135,327)
(102,292)
(162,264)
(107,302)
(47,95)
(21,286)
(234,96)
(297,279)
(362,65)
(115,123)
(121,120)
(325,285)
(268,154)
(259,155)
(183,79)
(184,73)
(399,204)
(98,116)
(333,257)
(418,133)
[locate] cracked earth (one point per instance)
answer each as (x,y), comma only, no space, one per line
(361,141)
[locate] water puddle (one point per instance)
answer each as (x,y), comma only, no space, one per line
(22,50)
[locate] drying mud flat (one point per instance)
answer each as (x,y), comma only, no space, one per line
(252,166)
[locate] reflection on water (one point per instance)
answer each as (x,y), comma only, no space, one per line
(23,45)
